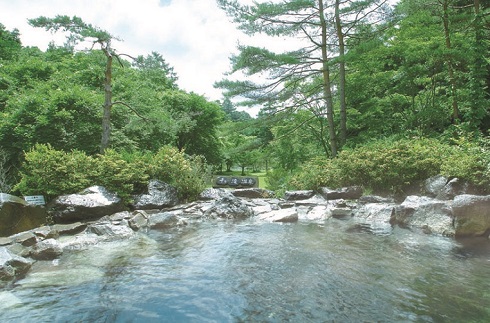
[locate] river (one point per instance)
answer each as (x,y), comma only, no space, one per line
(227,271)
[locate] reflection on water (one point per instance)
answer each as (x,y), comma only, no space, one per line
(339,271)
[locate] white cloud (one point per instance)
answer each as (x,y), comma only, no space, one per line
(194,36)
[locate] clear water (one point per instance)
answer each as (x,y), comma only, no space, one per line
(337,271)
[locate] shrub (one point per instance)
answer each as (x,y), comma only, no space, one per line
(52,172)
(391,165)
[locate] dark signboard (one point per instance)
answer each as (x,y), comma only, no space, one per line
(236,181)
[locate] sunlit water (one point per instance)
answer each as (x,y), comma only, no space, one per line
(335,271)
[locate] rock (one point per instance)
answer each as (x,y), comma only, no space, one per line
(69,229)
(341,212)
(159,195)
(374,218)
(17,216)
(6,241)
(109,231)
(283,215)
(229,208)
(434,186)
(92,203)
(11,265)
(455,187)
(164,220)
(139,220)
(472,215)
(346,193)
(428,214)
(376,199)
(253,193)
(26,238)
(298,195)
(214,194)
(48,249)
(313,213)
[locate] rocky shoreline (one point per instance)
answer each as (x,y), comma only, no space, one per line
(442,207)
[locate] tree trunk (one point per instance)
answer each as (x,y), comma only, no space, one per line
(452,79)
(106,118)
(343,104)
(327,92)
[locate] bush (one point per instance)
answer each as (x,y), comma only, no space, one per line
(51,173)
(390,165)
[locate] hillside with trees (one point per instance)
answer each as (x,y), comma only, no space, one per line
(372,95)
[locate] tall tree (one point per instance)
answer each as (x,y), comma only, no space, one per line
(81,31)
(303,77)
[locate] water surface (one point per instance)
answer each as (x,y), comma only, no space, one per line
(224,271)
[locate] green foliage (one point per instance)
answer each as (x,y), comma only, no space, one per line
(52,172)
(392,165)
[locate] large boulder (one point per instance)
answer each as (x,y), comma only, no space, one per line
(92,203)
(214,194)
(160,195)
(430,215)
(229,208)
(472,215)
(345,193)
(18,216)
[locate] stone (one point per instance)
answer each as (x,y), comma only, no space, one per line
(164,220)
(472,215)
(69,229)
(92,203)
(17,216)
(48,249)
(139,220)
(283,215)
(26,238)
(214,194)
(11,265)
(431,215)
(160,195)
(109,231)
(253,193)
(433,186)
(375,199)
(346,193)
(298,195)
(229,208)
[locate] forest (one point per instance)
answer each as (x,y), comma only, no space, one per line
(372,95)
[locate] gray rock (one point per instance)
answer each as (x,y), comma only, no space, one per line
(434,186)
(11,265)
(109,231)
(214,194)
(69,229)
(455,187)
(48,249)
(165,220)
(376,199)
(139,220)
(472,215)
(298,195)
(159,195)
(26,238)
(283,215)
(346,193)
(92,203)
(229,208)
(253,193)
(428,214)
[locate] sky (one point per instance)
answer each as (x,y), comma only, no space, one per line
(194,36)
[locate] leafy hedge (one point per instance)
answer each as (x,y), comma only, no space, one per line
(52,172)
(389,165)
